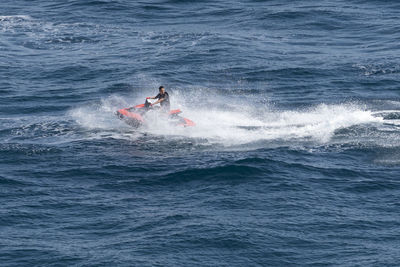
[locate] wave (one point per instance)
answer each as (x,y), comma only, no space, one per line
(10,149)
(15,18)
(41,34)
(378,69)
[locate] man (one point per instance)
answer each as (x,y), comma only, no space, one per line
(163,98)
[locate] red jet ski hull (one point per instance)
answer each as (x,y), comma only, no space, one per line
(135,116)
(131,118)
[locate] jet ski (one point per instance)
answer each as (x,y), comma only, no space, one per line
(136,116)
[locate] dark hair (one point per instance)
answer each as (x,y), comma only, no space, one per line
(159,88)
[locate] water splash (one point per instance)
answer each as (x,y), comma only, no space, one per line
(233,124)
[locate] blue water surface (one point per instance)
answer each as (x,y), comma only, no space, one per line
(294,159)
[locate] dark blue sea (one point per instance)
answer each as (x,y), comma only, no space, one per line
(294,159)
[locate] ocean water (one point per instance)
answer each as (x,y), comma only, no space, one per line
(294,159)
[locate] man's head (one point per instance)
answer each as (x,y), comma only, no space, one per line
(161,89)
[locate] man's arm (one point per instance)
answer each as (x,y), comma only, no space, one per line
(159,101)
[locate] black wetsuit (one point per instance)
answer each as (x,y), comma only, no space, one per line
(165,103)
